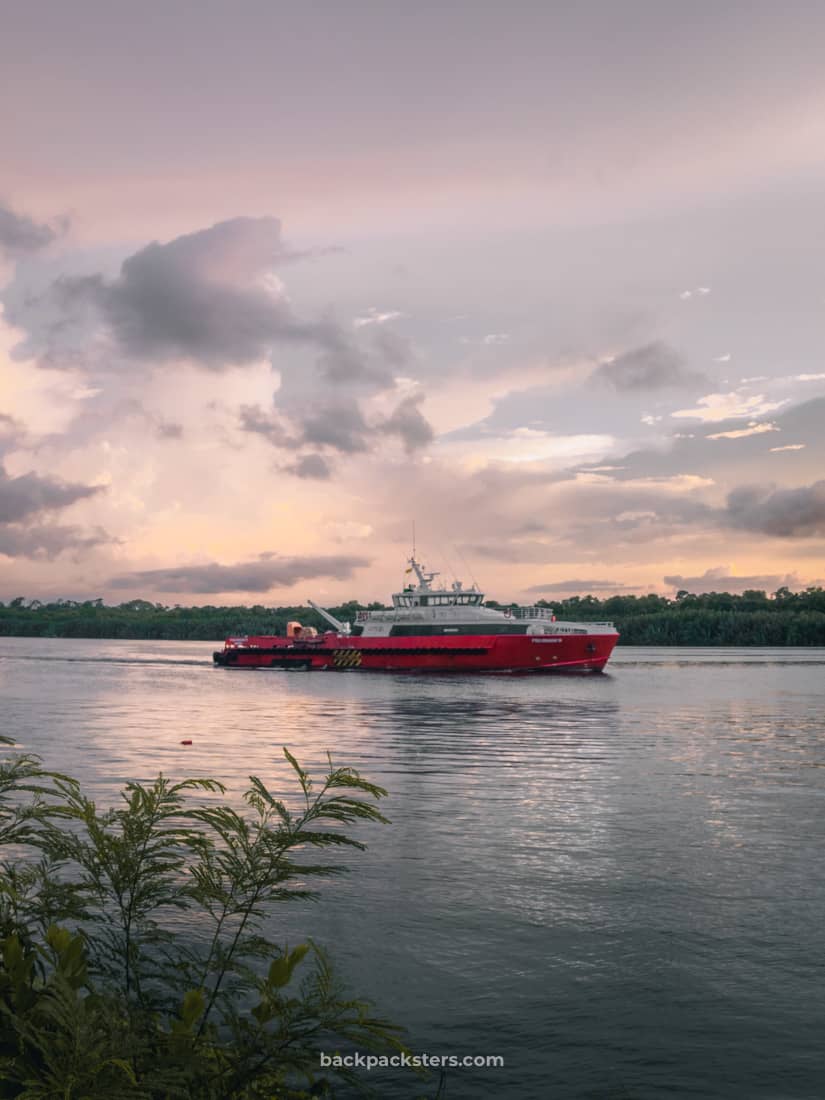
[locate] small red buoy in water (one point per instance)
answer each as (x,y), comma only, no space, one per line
(186,742)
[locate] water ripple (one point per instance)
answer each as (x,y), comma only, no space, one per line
(611,881)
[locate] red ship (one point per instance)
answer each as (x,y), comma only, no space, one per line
(432,629)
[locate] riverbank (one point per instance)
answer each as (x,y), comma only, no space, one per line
(715,619)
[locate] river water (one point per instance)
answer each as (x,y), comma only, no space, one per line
(615,883)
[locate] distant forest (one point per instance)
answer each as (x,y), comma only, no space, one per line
(716,618)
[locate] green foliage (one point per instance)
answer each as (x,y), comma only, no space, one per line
(100,998)
(713,618)
(710,619)
(141,619)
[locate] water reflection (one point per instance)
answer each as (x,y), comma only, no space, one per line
(608,880)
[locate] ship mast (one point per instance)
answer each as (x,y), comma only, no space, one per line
(425,579)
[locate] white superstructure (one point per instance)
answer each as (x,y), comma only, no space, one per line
(423,608)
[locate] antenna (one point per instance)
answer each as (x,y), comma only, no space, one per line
(413,534)
(450,569)
(466,566)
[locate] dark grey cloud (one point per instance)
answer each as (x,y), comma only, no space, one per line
(47,541)
(260,575)
(409,424)
(720,579)
(209,297)
(252,418)
(200,296)
(27,498)
(654,366)
(368,361)
(340,426)
(30,495)
(391,347)
(20,234)
(781,513)
(580,586)
(311,466)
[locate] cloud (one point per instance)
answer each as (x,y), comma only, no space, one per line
(252,418)
(721,579)
(788,447)
(30,494)
(596,511)
(340,426)
(782,513)
(25,499)
(210,297)
(342,360)
(260,575)
(654,366)
(749,458)
(374,316)
(576,586)
(17,540)
(409,424)
(741,433)
(728,406)
(203,296)
(313,466)
(20,235)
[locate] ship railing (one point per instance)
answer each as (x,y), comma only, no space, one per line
(531,613)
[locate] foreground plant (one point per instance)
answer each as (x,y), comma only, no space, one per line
(101,997)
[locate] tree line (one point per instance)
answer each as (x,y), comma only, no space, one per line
(714,618)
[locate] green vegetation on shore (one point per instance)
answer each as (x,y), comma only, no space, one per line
(715,618)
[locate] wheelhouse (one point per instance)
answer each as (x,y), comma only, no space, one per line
(437,599)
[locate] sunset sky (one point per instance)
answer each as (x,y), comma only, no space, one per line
(278,279)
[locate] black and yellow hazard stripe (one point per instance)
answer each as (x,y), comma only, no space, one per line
(346,658)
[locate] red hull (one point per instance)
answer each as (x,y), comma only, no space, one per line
(461,653)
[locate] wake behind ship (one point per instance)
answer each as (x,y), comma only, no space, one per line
(432,629)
